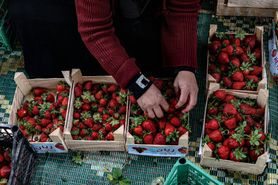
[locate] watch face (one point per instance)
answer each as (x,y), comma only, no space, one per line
(142,82)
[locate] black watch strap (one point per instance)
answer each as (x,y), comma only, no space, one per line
(139,85)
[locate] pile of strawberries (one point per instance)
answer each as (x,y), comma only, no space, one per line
(99,110)
(5,165)
(234,127)
(43,113)
(163,131)
(235,61)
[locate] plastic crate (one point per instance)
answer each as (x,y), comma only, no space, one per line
(185,172)
(23,156)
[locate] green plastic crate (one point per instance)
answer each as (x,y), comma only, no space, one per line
(185,172)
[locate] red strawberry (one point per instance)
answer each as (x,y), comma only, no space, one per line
(229,50)
(216,136)
(132,99)
(223,152)
(102,102)
(83,133)
(253,78)
(212,111)
(214,46)
(236,41)
(247,109)
(112,88)
(175,121)
(169,128)
(86,107)
(161,124)
(226,42)
(231,123)
(256,70)
(50,98)
(224,68)
(74,131)
(159,139)
(238,85)
(182,130)
(43,137)
(148,139)
(212,124)
(35,110)
(138,130)
(88,85)
(45,122)
(211,146)
(65,101)
(212,67)
(235,62)
(216,76)
(105,117)
(88,122)
(96,127)
(220,94)
(239,50)
(100,110)
(21,113)
(95,135)
(78,90)
(109,136)
(76,115)
(111,112)
(98,95)
(257,53)
(208,131)
(122,109)
(113,103)
(38,91)
(229,109)
(5,172)
(254,154)
(223,58)
(259,112)
(226,141)
(238,117)
(263,136)
(61,86)
(149,126)
(229,98)
(237,76)
(232,143)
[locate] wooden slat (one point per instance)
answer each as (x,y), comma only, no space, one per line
(253,3)
(224,10)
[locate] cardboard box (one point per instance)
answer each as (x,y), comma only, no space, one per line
(22,91)
(243,167)
(91,145)
(259,34)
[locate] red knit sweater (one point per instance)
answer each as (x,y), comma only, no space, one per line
(178,36)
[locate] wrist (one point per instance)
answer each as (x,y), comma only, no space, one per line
(139,85)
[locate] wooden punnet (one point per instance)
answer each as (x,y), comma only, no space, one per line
(243,167)
(264,8)
(22,92)
(85,145)
(259,34)
(157,150)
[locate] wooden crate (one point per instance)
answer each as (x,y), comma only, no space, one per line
(85,145)
(243,167)
(179,150)
(22,91)
(253,3)
(224,9)
(259,34)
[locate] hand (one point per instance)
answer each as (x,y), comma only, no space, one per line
(152,101)
(185,84)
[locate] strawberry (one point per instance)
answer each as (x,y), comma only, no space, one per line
(78,90)
(43,137)
(220,94)
(229,50)
(159,139)
(212,67)
(96,127)
(208,131)
(88,122)
(105,117)
(169,128)
(95,135)
(216,76)
(223,58)
(1,158)
(216,136)
(212,111)
(247,109)
(253,78)
(235,62)
(83,133)
(237,155)
(256,70)
(35,110)
(112,88)
(161,124)
(175,121)
(231,123)
(226,141)
(74,131)
(86,107)
(239,50)
(229,109)
(122,109)
(65,101)
(223,152)
(226,42)
(182,130)
(224,68)
(21,113)
(257,53)
(238,117)
(76,115)
(98,95)
(149,126)
(214,46)
(88,85)
(237,76)
(102,102)
(44,122)
(148,139)
(113,103)
(236,41)
(259,112)
(132,99)
(211,146)
(255,153)
(109,136)
(229,98)
(38,91)
(263,136)
(212,124)
(138,130)
(61,86)
(238,85)
(5,172)
(232,143)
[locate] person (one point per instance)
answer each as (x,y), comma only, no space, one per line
(132,39)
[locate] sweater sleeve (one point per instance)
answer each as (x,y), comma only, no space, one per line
(97,32)
(179,33)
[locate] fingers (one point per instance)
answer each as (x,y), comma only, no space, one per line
(158,112)
(176,87)
(164,104)
(183,97)
(192,101)
(150,113)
